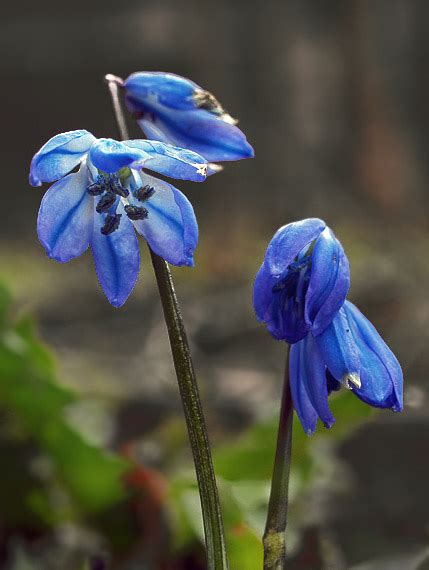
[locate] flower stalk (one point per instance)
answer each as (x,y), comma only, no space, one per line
(275,528)
(197,431)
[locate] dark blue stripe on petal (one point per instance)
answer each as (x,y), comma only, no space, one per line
(116,258)
(64,222)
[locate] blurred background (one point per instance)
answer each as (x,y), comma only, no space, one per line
(96,471)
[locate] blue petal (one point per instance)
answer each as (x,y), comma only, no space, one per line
(64,224)
(59,156)
(381,373)
(168,89)
(316,381)
(329,281)
(339,351)
(263,293)
(171,228)
(277,312)
(171,161)
(199,130)
(110,156)
(297,376)
(288,241)
(116,258)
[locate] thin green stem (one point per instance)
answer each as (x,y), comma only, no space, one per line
(197,431)
(275,528)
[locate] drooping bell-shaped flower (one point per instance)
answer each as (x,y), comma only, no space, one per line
(110,195)
(300,294)
(349,352)
(303,280)
(175,110)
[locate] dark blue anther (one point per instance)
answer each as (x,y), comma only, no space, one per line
(95,189)
(144,193)
(106,202)
(111,224)
(136,212)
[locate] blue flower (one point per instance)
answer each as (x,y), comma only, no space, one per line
(349,352)
(175,110)
(303,280)
(300,294)
(110,195)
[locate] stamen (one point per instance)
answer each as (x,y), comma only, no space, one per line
(95,189)
(144,193)
(118,189)
(111,224)
(106,202)
(136,212)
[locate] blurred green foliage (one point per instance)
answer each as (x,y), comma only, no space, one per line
(56,476)
(34,402)
(244,470)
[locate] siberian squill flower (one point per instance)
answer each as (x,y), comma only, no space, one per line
(109,196)
(175,110)
(299,294)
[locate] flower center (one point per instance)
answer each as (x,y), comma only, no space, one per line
(111,190)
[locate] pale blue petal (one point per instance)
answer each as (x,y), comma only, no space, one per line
(64,224)
(171,161)
(171,228)
(167,89)
(329,281)
(59,156)
(116,258)
(110,156)
(201,131)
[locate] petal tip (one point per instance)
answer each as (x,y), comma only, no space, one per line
(249,151)
(33,180)
(116,303)
(329,423)
(189,261)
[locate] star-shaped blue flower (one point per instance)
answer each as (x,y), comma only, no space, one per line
(175,110)
(109,197)
(300,295)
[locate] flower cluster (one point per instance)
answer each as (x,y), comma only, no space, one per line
(300,294)
(112,194)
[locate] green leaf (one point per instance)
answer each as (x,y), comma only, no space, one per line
(31,394)
(244,548)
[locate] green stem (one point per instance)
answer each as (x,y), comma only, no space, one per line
(275,528)
(197,431)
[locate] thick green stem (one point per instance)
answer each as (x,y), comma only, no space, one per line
(197,431)
(275,528)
